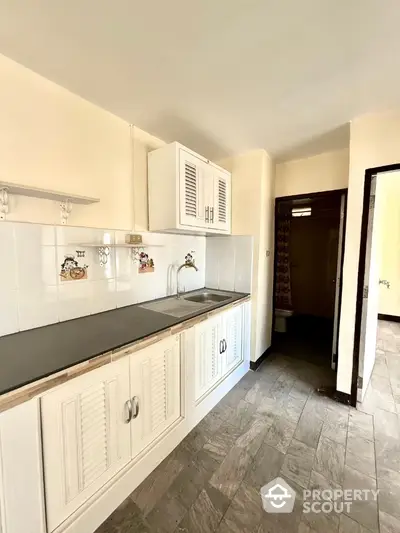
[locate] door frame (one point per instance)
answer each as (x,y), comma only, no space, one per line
(321,194)
(369,174)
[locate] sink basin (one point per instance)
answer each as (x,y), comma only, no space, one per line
(186,305)
(207,298)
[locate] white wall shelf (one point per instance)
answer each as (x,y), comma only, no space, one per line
(104,249)
(66,199)
(47,194)
(121,245)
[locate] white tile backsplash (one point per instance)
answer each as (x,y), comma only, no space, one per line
(8,311)
(229,263)
(32,294)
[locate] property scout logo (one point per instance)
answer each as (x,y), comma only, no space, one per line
(279,497)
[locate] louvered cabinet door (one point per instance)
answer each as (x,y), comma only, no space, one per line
(155,390)
(86,439)
(191,184)
(208,356)
(222,201)
(233,335)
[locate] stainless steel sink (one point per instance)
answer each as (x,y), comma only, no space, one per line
(186,305)
(207,298)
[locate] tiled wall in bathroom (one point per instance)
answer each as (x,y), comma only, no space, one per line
(229,263)
(32,295)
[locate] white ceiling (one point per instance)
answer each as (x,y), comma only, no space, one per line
(221,76)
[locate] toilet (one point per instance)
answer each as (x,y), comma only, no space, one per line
(281,317)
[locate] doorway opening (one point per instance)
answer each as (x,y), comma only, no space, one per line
(376,367)
(308,262)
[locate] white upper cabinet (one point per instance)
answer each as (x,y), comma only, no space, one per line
(187,193)
(86,437)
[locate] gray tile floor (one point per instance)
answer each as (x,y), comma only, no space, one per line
(273,423)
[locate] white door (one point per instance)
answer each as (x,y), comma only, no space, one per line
(155,391)
(232,339)
(222,201)
(338,283)
(193,209)
(86,437)
(208,355)
(369,313)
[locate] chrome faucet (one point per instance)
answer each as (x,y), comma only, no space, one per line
(189,263)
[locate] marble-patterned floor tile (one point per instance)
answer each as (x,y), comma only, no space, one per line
(361,425)
(156,484)
(258,392)
(389,491)
(324,522)
(360,454)
(335,426)
(388,523)
(241,414)
(167,514)
(386,424)
(364,512)
(206,513)
(362,464)
(348,525)
(222,441)
(127,517)
(253,435)
(265,467)
(228,477)
(329,459)
(309,429)
(280,434)
(285,522)
(244,513)
(388,453)
(298,463)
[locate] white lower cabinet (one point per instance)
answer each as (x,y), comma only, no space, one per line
(21,476)
(156,392)
(96,424)
(218,349)
(207,355)
(86,437)
(103,432)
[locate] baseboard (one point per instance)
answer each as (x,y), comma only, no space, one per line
(389,318)
(255,364)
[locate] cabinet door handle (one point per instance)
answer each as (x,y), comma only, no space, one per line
(128,411)
(212,214)
(225,345)
(135,407)
(221,350)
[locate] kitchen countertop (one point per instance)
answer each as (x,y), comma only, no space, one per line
(32,355)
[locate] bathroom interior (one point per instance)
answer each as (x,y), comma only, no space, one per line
(307,271)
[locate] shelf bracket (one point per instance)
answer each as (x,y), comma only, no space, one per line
(65,211)
(135,254)
(104,253)
(4,204)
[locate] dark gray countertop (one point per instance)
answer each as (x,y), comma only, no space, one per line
(37,353)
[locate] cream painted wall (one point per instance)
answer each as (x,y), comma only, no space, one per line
(389,191)
(53,139)
(143,143)
(252,209)
(374,142)
(323,172)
